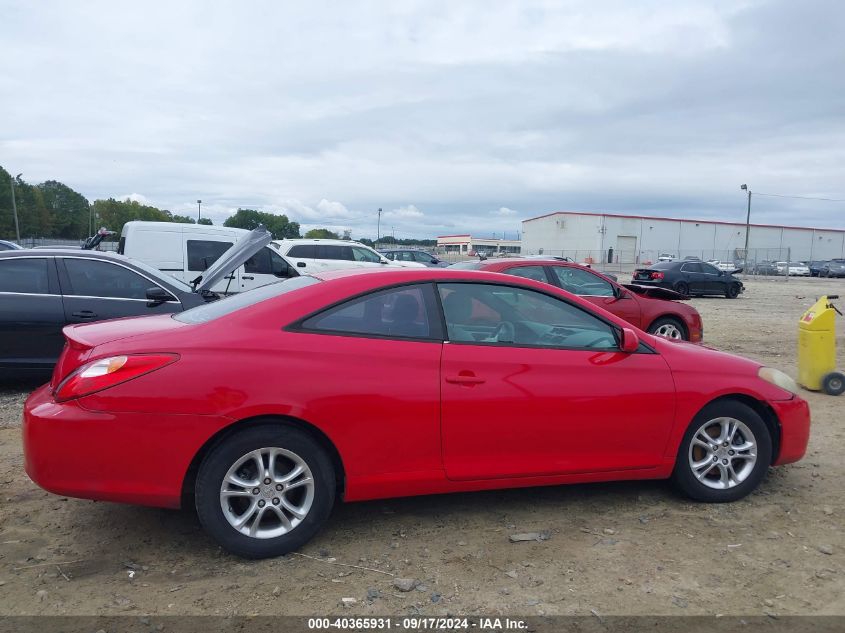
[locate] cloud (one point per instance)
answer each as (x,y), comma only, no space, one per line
(135,197)
(505,212)
(648,107)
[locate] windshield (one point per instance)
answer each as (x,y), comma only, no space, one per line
(233,303)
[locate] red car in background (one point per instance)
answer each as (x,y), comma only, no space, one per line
(264,407)
(655,310)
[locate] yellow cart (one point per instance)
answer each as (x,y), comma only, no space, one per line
(817,348)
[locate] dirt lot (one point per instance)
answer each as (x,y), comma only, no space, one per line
(630,548)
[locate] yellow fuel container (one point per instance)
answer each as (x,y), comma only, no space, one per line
(817,348)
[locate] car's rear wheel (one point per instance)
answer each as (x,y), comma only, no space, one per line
(669,327)
(265,491)
(682,288)
(724,453)
(732,291)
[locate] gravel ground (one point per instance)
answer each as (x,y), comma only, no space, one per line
(627,548)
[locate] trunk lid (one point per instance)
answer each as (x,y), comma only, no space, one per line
(82,338)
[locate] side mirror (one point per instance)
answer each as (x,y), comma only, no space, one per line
(435,261)
(156,296)
(630,341)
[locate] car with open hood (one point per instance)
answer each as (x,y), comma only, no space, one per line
(41,291)
(655,310)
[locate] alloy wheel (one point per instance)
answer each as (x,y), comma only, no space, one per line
(722,453)
(669,330)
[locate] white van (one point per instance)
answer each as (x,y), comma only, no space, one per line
(187,250)
(315,255)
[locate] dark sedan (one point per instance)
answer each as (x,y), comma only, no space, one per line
(816,267)
(41,291)
(690,278)
(413,255)
(833,268)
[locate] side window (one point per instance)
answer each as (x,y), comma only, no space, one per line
(390,255)
(423,257)
(24,275)
(331,251)
(203,253)
(521,317)
(363,255)
(710,270)
(398,312)
(93,278)
(691,268)
(581,282)
(303,251)
(529,272)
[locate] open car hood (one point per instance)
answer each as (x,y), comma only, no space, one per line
(242,250)
(655,292)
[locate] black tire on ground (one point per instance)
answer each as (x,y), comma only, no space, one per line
(732,291)
(657,324)
(683,476)
(682,288)
(222,457)
(833,384)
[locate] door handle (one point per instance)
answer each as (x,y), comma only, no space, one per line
(465,378)
(300,264)
(84,314)
(245,277)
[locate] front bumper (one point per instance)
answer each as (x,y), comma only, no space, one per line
(794,417)
(128,457)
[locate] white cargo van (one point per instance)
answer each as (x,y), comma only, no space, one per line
(187,250)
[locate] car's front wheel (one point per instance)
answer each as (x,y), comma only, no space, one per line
(732,291)
(265,491)
(724,453)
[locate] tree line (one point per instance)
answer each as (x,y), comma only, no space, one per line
(51,209)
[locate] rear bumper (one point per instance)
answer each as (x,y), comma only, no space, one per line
(794,417)
(128,457)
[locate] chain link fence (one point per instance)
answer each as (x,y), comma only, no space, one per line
(49,242)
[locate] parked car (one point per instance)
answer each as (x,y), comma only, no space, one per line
(666,257)
(412,255)
(765,268)
(798,269)
(9,246)
(41,291)
(651,309)
(373,404)
(690,278)
(815,267)
(186,250)
(833,268)
(314,255)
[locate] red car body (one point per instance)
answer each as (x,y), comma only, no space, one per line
(640,306)
(399,417)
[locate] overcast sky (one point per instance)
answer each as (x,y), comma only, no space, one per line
(451,116)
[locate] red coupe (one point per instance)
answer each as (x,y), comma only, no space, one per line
(261,409)
(655,310)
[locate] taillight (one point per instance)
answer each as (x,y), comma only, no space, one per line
(657,275)
(104,373)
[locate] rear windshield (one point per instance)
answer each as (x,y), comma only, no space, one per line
(467,265)
(666,265)
(233,303)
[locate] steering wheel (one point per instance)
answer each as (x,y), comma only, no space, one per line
(504,332)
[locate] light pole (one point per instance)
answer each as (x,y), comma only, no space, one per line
(378,227)
(199,210)
(15,208)
(747,225)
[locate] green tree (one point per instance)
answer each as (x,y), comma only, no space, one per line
(278,225)
(206,221)
(113,214)
(68,208)
(322,234)
(184,219)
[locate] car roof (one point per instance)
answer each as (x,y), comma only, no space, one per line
(317,240)
(65,252)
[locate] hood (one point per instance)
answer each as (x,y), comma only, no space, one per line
(242,250)
(655,292)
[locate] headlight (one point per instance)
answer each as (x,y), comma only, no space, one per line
(779,379)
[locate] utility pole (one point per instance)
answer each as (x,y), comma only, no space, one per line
(378,227)
(199,210)
(747,227)
(15,208)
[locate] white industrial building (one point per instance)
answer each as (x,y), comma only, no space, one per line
(634,239)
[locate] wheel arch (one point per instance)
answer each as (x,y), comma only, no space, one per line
(189,479)
(760,408)
(675,317)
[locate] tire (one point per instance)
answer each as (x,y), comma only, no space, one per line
(255,500)
(682,288)
(669,327)
(716,484)
(732,291)
(833,384)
